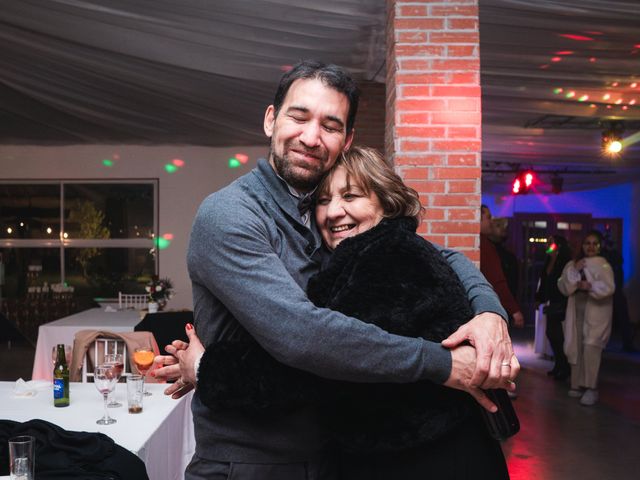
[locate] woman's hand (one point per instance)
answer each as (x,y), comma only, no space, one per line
(180,363)
(580,264)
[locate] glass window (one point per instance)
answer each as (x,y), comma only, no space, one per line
(108,237)
(103,272)
(29,211)
(108,210)
(27,267)
(540,224)
(563,226)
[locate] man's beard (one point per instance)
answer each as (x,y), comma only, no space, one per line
(285,169)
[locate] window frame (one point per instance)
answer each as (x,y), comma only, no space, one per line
(62,243)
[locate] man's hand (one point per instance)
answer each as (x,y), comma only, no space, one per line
(496,365)
(463,363)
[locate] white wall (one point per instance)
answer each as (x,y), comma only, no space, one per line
(205,170)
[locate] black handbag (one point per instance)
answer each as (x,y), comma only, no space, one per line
(504,423)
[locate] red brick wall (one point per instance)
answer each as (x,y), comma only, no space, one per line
(433,122)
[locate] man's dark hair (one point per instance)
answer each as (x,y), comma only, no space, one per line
(331,75)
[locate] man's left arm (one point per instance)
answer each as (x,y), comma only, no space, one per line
(487,331)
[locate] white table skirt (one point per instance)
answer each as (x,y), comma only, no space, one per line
(161,436)
(64,330)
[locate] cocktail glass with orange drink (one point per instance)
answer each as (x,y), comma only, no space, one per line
(143,358)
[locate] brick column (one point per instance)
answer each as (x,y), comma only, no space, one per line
(433,123)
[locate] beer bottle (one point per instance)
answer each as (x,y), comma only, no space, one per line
(61,379)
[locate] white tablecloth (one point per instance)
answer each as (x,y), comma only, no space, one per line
(162,435)
(63,331)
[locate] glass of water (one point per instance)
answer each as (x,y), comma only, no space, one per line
(22,458)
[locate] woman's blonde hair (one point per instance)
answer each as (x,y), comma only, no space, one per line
(366,168)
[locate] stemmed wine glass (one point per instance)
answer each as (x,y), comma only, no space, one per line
(143,358)
(105,382)
(116,363)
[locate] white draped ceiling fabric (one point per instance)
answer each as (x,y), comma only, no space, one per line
(200,72)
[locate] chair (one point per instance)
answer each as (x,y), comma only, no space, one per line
(91,344)
(166,326)
(136,301)
(102,346)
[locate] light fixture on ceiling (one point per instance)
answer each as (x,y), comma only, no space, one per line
(523,182)
(612,138)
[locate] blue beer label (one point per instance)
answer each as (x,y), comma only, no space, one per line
(58,388)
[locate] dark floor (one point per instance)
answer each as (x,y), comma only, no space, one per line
(559,438)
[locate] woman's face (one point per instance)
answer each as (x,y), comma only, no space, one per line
(345,210)
(591,246)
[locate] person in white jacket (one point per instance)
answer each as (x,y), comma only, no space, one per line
(589,284)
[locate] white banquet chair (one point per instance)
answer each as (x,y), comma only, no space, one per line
(137,301)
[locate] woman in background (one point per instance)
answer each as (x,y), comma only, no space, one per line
(589,284)
(558,255)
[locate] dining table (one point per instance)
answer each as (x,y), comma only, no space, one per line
(63,331)
(161,435)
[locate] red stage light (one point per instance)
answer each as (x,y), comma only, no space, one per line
(523,182)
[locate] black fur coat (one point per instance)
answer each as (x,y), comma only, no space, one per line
(387,276)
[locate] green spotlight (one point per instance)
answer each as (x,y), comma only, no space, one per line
(234,163)
(170,168)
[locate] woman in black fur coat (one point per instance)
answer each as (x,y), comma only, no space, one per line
(385,274)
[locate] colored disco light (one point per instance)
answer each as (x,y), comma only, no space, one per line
(619,101)
(9,230)
(624,107)
(565,52)
(168,236)
(633,85)
(161,243)
(234,163)
(552,248)
(592,59)
(243,158)
(556,59)
(523,182)
(170,168)
(583,98)
(632,102)
(116,156)
(614,84)
(579,38)
(285,68)
(107,162)
(570,94)
(557,91)
(593,105)
(178,162)
(606,96)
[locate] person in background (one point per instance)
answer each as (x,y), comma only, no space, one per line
(508,260)
(589,284)
(621,320)
(558,255)
(491,268)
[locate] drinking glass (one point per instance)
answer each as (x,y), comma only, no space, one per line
(115,361)
(143,358)
(105,382)
(22,458)
(67,354)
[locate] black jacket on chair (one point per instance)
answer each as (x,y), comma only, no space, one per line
(387,276)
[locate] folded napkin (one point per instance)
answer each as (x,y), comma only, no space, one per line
(30,388)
